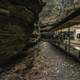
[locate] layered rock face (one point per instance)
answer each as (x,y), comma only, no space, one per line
(16,24)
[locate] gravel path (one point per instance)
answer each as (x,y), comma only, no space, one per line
(51,64)
(61,67)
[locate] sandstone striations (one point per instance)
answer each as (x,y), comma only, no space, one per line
(17,18)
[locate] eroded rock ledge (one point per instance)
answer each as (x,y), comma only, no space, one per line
(17,18)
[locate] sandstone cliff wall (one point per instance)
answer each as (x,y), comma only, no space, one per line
(17,18)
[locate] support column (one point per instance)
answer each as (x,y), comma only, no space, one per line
(69,39)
